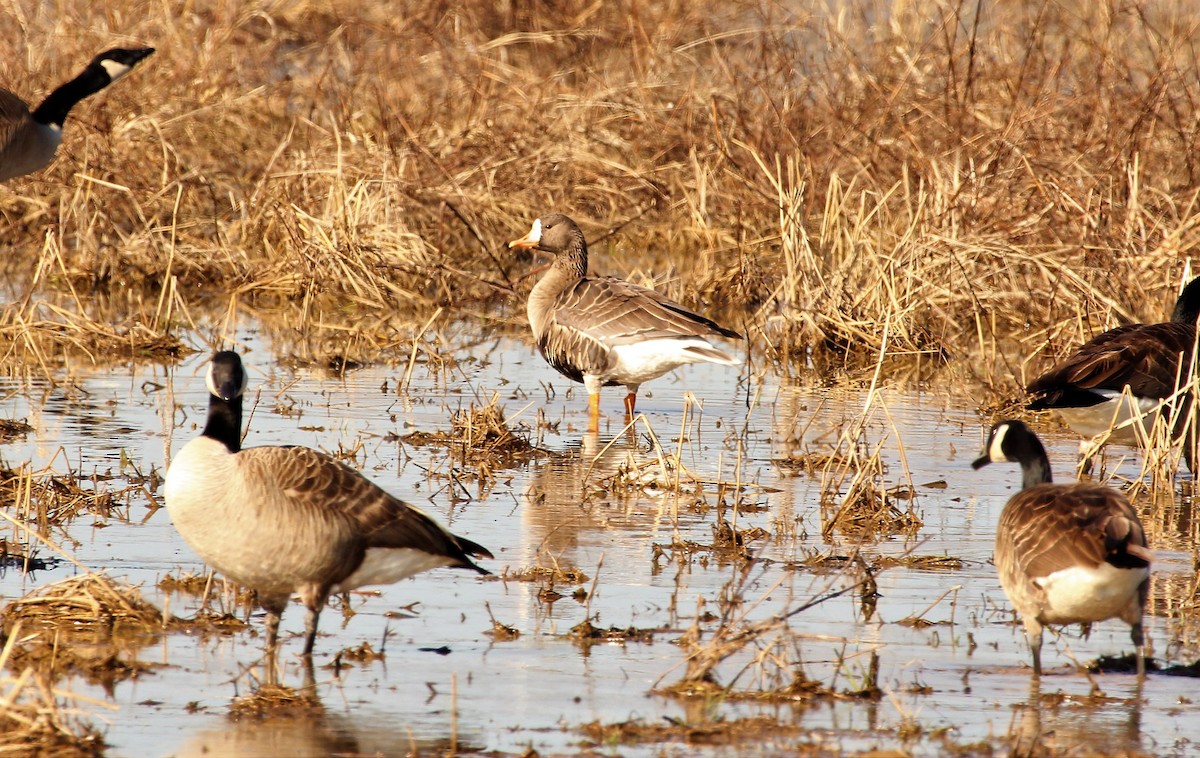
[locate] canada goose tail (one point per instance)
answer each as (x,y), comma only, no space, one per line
(1125,543)
(473,549)
(713,355)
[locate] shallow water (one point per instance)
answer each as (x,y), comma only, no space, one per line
(964,678)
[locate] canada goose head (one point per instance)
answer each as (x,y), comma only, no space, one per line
(1013,441)
(226,377)
(560,235)
(118,62)
(105,68)
(1187,307)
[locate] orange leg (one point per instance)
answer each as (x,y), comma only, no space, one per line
(594,412)
(630,403)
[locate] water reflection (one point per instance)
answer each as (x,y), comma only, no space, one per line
(567,502)
(310,731)
(1055,724)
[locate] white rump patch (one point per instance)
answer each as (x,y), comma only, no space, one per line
(1120,411)
(642,361)
(388,565)
(1083,593)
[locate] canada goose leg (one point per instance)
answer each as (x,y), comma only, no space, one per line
(310,679)
(1089,451)
(314,600)
(310,631)
(1139,640)
(274,608)
(1033,632)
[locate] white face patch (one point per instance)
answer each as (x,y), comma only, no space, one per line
(115,70)
(214,390)
(996,449)
(535,231)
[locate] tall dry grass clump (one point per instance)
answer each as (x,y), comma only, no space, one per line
(933,177)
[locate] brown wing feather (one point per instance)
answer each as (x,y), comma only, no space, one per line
(1144,357)
(614,312)
(323,489)
(572,352)
(1051,527)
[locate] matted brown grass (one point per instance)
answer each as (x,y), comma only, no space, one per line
(36,719)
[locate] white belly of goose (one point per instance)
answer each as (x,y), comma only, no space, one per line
(642,361)
(1117,410)
(1081,593)
(388,565)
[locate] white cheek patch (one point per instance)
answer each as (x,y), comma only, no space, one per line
(211,383)
(215,391)
(996,449)
(114,69)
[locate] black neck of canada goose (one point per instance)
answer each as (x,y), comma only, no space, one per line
(1187,307)
(226,383)
(1014,441)
(104,69)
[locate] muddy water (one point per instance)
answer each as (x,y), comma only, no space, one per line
(960,679)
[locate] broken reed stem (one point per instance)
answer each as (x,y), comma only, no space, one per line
(412,357)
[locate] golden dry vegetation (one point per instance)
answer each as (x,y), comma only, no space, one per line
(908,176)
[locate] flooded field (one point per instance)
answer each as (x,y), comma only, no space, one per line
(785,557)
(745,531)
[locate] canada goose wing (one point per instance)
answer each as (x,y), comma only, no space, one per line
(322,489)
(1146,357)
(614,312)
(1056,527)
(13,114)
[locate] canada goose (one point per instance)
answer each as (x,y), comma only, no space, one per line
(1066,553)
(28,140)
(604,331)
(283,520)
(1088,388)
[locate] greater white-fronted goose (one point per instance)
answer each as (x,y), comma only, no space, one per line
(1151,360)
(1066,553)
(284,520)
(604,331)
(28,140)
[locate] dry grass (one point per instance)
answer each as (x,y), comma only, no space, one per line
(35,718)
(480,441)
(87,624)
(770,163)
(45,498)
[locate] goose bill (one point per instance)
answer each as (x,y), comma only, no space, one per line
(526,242)
(529,240)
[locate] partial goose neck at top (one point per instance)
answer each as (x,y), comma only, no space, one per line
(564,238)
(1187,307)
(1035,465)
